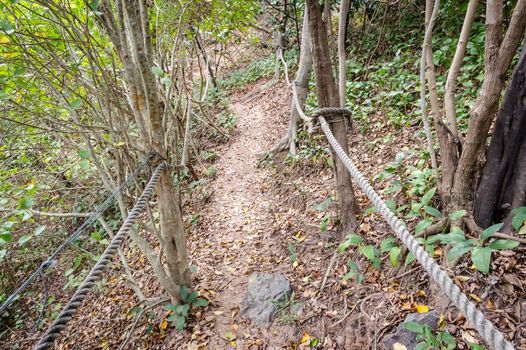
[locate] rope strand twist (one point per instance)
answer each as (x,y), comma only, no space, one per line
(95,274)
(491,335)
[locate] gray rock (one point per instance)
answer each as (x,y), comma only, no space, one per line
(264,290)
(406,338)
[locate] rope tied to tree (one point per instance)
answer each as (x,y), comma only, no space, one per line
(96,272)
(486,329)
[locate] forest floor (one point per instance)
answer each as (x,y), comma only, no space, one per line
(267,218)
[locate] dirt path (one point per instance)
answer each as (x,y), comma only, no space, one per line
(237,225)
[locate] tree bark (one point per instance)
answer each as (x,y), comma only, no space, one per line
(327,95)
(503,183)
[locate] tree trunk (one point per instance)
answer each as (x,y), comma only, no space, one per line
(503,183)
(499,53)
(327,95)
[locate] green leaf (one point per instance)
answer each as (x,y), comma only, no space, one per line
(456,235)
(75,104)
(24,239)
(481,257)
(422,346)
(184,309)
(370,253)
(84,164)
(432,211)
(490,231)
(409,258)
(459,249)
(414,327)
(201,302)
(6,26)
(170,307)
(503,244)
(192,297)
(26,203)
(39,229)
(352,239)
(84,154)
(180,323)
(6,237)
(393,256)
(457,215)
(391,204)
(183,292)
(422,225)
(387,244)
(166,81)
(157,71)
(429,194)
(475,346)
(519,217)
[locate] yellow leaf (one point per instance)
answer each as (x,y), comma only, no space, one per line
(295,263)
(475,297)
(420,308)
(233,343)
(398,346)
(305,339)
(163,325)
(421,293)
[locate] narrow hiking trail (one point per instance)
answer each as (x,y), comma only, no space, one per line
(236,234)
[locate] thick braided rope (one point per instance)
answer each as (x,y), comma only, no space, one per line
(491,335)
(69,310)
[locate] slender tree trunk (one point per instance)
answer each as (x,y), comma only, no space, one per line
(327,94)
(499,52)
(503,183)
(344,9)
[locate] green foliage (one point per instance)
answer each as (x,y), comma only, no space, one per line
(519,220)
(480,249)
(255,70)
(429,339)
(179,313)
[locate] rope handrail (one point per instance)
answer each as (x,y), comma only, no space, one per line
(95,274)
(90,220)
(491,335)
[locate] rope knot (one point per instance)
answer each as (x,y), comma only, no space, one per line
(331,114)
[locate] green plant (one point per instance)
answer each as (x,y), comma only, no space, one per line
(480,249)
(367,250)
(443,340)
(179,313)
(287,308)
(518,221)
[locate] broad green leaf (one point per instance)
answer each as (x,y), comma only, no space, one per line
(26,203)
(422,346)
(24,239)
(6,26)
(503,244)
(170,307)
(193,297)
(75,104)
(370,253)
(456,235)
(157,71)
(201,302)
(184,292)
(519,217)
(185,308)
(414,327)
(180,323)
(83,153)
(481,257)
(39,229)
(422,225)
(429,194)
(475,346)
(457,215)
(490,231)
(432,211)
(387,244)
(84,164)
(352,239)
(5,237)
(393,256)
(459,249)
(409,258)
(166,81)
(391,205)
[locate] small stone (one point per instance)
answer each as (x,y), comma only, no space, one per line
(402,338)
(263,292)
